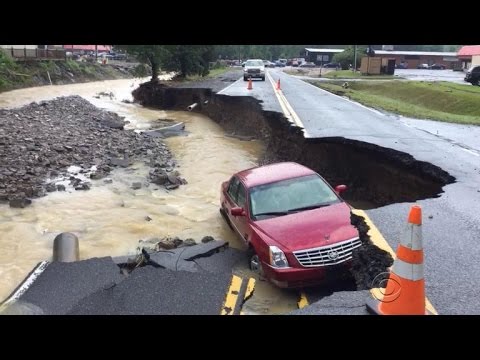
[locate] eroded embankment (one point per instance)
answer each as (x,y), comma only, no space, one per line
(375,175)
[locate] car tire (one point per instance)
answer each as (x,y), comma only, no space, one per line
(263,78)
(244,78)
(254,263)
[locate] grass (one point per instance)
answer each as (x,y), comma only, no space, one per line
(349,74)
(441,101)
(72,65)
(14,75)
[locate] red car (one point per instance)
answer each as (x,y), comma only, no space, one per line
(296,226)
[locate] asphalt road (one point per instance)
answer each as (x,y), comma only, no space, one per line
(193,280)
(431,75)
(407,74)
(451,222)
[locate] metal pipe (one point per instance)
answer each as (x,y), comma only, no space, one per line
(65,248)
(191,107)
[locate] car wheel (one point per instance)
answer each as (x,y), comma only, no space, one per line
(244,78)
(263,78)
(255,264)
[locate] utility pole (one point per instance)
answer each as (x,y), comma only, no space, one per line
(96,53)
(355,58)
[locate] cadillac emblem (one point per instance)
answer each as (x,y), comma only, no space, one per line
(333,255)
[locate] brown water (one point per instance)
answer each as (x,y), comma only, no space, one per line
(109,219)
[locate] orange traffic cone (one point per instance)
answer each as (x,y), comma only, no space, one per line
(405,291)
(249,87)
(278,85)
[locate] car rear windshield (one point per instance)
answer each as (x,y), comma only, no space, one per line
(254,63)
(291,195)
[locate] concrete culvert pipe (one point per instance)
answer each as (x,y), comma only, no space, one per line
(65,248)
(191,107)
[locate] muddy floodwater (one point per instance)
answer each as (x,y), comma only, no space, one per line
(111,218)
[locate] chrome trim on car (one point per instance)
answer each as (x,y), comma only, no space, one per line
(327,255)
(276,267)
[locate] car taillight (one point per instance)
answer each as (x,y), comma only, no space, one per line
(277,257)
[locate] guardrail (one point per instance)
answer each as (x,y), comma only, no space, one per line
(36,54)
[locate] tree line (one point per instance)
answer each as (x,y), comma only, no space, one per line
(195,59)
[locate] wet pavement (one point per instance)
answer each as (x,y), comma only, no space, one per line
(196,280)
(217,83)
(339,303)
(432,75)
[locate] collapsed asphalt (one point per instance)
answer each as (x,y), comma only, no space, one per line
(190,280)
(289,129)
(425,164)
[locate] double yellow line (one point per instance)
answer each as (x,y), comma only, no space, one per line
(287,109)
(233,293)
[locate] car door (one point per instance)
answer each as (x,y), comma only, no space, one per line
(236,196)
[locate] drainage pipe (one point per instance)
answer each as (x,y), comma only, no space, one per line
(65,248)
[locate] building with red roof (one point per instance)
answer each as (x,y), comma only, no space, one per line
(469,55)
(79,48)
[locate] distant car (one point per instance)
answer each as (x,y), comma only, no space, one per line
(279,63)
(437,67)
(422,66)
(116,56)
(297,227)
(400,66)
(307,65)
(473,75)
(268,64)
(332,65)
(254,68)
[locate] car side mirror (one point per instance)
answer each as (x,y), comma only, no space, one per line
(340,188)
(237,211)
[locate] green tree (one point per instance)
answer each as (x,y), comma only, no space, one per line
(267,52)
(183,59)
(188,59)
(347,57)
(148,54)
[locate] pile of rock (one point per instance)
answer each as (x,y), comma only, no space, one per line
(41,140)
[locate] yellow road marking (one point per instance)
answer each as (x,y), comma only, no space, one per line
(378,239)
(250,287)
(248,291)
(285,105)
(303,301)
(232,296)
